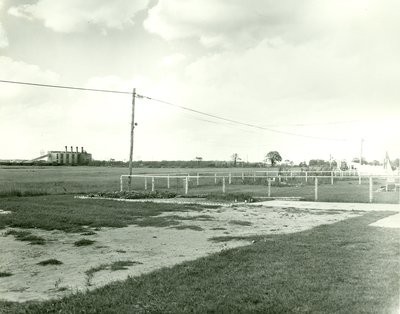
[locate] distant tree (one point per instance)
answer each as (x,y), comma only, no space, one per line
(357,160)
(318,163)
(235,158)
(374,163)
(273,157)
(303,164)
(199,160)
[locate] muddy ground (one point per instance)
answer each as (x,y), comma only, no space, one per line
(147,248)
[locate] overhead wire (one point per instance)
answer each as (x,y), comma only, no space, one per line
(176,106)
(238,122)
(67,87)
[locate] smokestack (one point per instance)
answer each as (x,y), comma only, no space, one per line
(82,149)
(66,149)
(77,149)
(72,149)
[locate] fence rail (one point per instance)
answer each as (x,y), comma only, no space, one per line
(267,181)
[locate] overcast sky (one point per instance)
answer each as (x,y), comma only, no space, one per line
(319,75)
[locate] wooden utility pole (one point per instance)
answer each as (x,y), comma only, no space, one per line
(131,147)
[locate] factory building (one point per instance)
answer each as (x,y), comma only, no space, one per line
(69,157)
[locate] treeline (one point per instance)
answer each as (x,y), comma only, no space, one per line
(174,164)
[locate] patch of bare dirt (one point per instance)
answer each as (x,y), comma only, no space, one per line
(148,248)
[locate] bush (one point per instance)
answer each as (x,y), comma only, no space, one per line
(134,195)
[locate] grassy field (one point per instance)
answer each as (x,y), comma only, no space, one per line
(63,212)
(58,180)
(346,267)
(19,181)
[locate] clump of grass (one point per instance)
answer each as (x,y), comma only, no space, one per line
(120,251)
(230,238)
(118,265)
(19,193)
(218,228)
(5,274)
(50,261)
(190,227)
(240,222)
(88,233)
(91,271)
(135,194)
(121,265)
(26,236)
(232,197)
(84,242)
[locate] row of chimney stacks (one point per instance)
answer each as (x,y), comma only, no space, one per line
(72,149)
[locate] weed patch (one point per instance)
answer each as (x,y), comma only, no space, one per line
(189,227)
(51,261)
(231,197)
(121,265)
(26,236)
(84,242)
(240,222)
(231,238)
(135,194)
(5,274)
(88,233)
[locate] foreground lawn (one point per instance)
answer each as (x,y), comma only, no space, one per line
(64,212)
(346,267)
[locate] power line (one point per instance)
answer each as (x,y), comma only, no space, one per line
(173,105)
(238,122)
(67,87)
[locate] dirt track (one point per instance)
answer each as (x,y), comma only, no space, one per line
(149,247)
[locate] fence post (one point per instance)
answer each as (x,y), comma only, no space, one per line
(399,187)
(269,188)
(186,185)
(254,177)
(197,179)
(332,177)
(370,190)
(145,183)
(230,178)
(316,189)
(121,183)
(152,184)
(359,178)
(215,178)
(306,176)
(243,176)
(168,182)
(223,185)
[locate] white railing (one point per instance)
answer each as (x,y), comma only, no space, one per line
(224,178)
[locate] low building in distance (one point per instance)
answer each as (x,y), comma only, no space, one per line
(71,157)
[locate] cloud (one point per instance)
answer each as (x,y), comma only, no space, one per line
(173,60)
(77,16)
(219,22)
(16,95)
(239,25)
(3,35)
(3,38)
